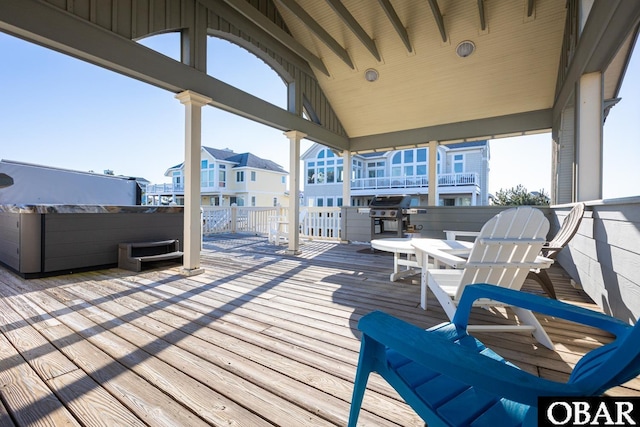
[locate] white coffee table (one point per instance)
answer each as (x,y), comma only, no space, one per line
(404,254)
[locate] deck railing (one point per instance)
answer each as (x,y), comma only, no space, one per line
(318,223)
(170,188)
(400,182)
(167,188)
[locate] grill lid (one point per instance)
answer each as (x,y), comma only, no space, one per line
(392,202)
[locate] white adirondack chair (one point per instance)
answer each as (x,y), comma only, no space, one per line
(503,253)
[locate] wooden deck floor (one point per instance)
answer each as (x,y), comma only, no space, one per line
(261,338)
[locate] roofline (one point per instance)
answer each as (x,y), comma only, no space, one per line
(55,168)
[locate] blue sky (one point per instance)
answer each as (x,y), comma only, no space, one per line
(59,111)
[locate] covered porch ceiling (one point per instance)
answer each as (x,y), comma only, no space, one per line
(422,82)
(520,75)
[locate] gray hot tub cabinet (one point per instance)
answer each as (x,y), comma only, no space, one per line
(41,240)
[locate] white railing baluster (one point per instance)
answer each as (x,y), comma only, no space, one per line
(315,223)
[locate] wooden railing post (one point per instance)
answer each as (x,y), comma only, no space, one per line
(234,217)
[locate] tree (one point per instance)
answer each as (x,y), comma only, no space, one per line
(519,196)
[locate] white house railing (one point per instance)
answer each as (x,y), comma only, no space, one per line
(233,219)
(315,223)
(445,179)
(168,188)
(322,223)
(418,181)
(458,179)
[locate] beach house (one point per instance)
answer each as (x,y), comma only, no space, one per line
(227,178)
(462,175)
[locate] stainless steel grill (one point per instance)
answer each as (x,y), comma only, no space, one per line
(390,216)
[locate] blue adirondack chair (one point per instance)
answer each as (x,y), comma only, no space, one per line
(451,379)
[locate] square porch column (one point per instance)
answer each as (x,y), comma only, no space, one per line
(294,190)
(433,173)
(346,178)
(193,103)
(589,123)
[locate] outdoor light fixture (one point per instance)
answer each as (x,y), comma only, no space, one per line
(371,75)
(465,48)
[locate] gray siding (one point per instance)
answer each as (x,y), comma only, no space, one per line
(604,257)
(437,219)
(477,162)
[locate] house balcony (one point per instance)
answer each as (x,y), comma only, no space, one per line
(395,184)
(169,189)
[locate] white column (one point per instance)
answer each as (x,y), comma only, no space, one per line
(589,123)
(193,144)
(433,173)
(346,178)
(294,190)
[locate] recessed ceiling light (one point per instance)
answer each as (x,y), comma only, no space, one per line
(371,75)
(465,48)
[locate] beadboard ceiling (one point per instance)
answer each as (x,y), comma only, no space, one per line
(422,81)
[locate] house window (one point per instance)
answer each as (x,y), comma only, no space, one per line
(329,201)
(409,163)
(456,201)
(222,175)
(320,170)
(356,169)
(331,172)
(339,202)
(177,180)
(311,172)
(458,163)
(319,202)
(253,176)
(324,169)
(240,176)
(375,169)
(253,200)
(284,179)
(207,174)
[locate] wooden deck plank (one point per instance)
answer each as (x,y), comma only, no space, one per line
(232,345)
(27,397)
(194,356)
(144,401)
(223,351)
(184,389)
(261,338)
